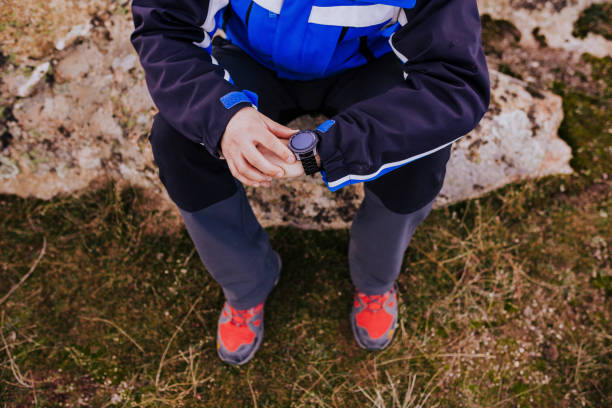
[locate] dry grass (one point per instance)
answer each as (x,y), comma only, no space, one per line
(505,302)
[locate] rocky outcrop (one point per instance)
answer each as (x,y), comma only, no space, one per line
(517,139)
(89,122)
(87,119)
(551,22)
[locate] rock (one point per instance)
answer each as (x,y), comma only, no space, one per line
(80,129)
(517,139)
(91,123)
(86,58)
(552,20)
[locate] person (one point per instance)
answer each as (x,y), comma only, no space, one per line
(400,80)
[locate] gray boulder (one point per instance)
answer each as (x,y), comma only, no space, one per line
(90,125)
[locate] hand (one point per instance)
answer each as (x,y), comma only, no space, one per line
(245,132)
(291,170)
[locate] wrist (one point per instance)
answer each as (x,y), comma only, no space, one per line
(239,111)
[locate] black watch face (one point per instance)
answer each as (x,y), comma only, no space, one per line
(303,141)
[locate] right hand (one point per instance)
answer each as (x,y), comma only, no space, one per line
(245,132)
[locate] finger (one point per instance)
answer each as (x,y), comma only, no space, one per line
(278,148)
(278,129)
(257,160)
(250,172)
(239,177)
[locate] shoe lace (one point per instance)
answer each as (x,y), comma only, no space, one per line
(241,317)
(373,302)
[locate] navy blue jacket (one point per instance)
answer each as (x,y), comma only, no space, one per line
(444,95)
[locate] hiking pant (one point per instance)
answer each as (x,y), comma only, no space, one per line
(233,246)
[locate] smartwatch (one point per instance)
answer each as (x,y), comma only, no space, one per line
(304,145)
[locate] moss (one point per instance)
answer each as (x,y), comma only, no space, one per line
(540,38)
(505,69)
(588,120)
(497,35)
(596,19)
(601,71)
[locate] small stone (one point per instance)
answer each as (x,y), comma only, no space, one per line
(550,352)
(28,85)
(74,33)
(8,169)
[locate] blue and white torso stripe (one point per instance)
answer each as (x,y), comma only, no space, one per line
(307,40)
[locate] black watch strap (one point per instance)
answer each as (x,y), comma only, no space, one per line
(309,162)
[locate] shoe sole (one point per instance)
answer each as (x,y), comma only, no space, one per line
(259,340)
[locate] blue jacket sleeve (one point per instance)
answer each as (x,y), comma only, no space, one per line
(191,91)
(445,94)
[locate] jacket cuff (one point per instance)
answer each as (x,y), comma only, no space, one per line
(332,160)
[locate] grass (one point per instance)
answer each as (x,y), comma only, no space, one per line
(505,302)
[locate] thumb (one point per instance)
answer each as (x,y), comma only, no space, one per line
(278,129)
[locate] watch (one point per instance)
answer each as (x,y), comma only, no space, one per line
(304,145)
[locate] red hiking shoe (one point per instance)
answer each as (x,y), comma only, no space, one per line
(239,333)
(374,318)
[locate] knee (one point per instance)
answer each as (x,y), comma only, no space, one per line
(414,185)
(193,178)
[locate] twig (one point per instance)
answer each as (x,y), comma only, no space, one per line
(251,388)
(578,362)
(99,319)
(27,275)
(431,259)
(314,384)
(510,398)
(14,367)
(462,355)
(189,257)
(163,357)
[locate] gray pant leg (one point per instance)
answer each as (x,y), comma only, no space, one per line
(235,249)
(378,239)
